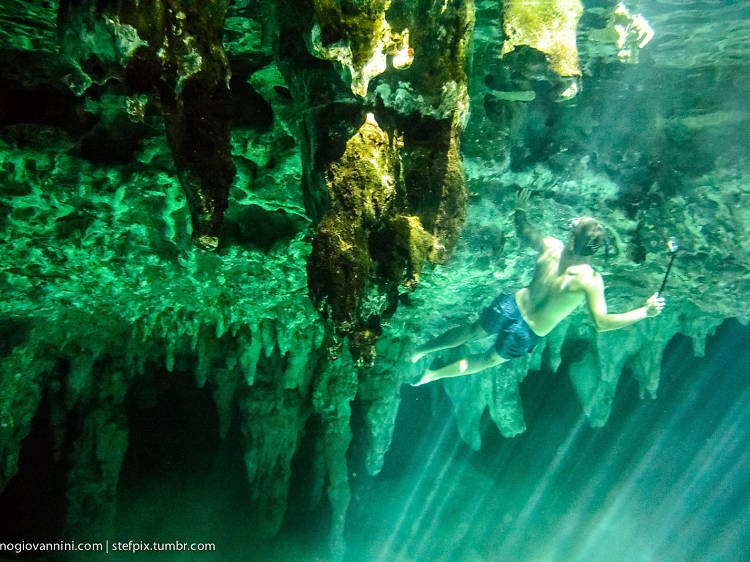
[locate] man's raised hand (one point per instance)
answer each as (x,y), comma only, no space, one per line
(522,199)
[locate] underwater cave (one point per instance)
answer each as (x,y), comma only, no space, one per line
(326,280)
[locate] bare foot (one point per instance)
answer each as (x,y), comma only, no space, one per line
(427,377)
(414,357)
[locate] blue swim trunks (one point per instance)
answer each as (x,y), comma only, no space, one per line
(514,336)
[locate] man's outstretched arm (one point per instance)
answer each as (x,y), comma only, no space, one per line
(605,321)
(525,231)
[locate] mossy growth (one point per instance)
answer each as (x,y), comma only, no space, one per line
(358,23)
(362,187)
(549,27)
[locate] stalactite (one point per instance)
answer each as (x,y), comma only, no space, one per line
(648,359)
(698,328)
(552,345)
(80,381)
(272,421)
(333,391)
(383,183)
(267,332)
(297,372)
(96,457)
(174,51)
(379,393)
(21,384)
(225,384)
(505,406)
(469,397)
(204,354)
(250,356)
(169,355)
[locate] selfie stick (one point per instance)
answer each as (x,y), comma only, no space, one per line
(673,247)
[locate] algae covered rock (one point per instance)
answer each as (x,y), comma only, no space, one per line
(354,166)
(549,27)
(370,161)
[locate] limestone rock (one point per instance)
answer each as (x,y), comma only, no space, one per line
(387,192)
(547,26)
(176,53)
(369,167)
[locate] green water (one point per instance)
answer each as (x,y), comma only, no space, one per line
(153,391)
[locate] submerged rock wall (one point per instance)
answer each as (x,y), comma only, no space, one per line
(104,280)
(357,154)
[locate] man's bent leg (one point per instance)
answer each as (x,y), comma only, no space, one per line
(472,364)
(452,338)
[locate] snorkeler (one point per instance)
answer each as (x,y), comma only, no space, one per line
(563,278)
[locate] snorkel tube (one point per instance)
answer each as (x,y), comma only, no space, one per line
(673,247)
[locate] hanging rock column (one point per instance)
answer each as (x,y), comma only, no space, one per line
(381,91)
(173,49)
(22,380)
(98,452)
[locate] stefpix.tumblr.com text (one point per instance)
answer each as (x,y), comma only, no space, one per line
(19,547)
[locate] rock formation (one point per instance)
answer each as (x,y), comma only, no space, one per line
(353,166)
(382,174)
(172,50)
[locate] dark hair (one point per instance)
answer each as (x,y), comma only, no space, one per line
(588,236)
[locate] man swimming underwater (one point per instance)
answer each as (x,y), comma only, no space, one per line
(563,278)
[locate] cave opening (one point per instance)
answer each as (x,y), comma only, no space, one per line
(308,513)
(179,479)
(33,502)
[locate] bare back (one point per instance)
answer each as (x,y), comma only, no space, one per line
(552,294)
